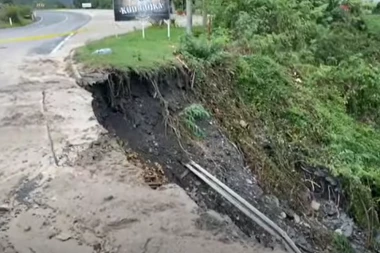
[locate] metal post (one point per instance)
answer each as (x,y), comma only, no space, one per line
(143,28)
(189,16)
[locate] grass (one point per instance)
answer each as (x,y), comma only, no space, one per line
(24,22)
(191,115)
(132,51)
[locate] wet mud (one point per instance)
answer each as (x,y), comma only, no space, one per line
(136,116)
(139,110)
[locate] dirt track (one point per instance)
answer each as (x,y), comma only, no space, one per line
(68,187)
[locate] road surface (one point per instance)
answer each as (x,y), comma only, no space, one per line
(64,186)
(49,23)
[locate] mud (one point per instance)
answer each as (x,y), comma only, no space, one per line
(135,109)
(136,117)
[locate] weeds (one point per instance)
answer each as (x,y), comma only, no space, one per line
(342,245)
(191,115)
(306,77)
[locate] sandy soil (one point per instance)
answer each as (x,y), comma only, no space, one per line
(68,187)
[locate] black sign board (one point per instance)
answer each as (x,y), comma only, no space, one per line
(126,10)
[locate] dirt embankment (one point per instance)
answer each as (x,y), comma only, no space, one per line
(146,112)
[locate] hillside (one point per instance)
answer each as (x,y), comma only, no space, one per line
(293,84)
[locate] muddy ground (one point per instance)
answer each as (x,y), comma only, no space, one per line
(135,110)
(68,186)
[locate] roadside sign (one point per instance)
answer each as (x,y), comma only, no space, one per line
(40,5)
(86,5)
(125,10)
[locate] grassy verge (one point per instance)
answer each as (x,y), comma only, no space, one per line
(132,51)
(23,22)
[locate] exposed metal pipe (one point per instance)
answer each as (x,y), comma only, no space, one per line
(245,207)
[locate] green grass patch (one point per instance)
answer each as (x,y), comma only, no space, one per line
(132,51)
(23,22)
(191,115)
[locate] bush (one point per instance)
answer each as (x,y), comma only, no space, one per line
(376,10)
(18,14)
(309,71)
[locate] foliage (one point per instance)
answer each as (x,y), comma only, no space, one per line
(308,70)
(342,245)
(18,13)
(376,10)
(191,115)
(209,52)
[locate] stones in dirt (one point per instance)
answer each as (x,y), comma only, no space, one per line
(292,215)
(315,205)
(63,237)
(109,198)
(5,208)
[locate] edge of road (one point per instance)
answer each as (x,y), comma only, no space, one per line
(76,29)
(73,67)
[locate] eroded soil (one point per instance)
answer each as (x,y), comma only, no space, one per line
(67,186)
(132,108)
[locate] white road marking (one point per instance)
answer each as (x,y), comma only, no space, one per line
(61,43)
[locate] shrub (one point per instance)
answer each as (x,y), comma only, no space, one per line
(16,13)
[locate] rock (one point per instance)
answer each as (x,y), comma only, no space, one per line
(338,231)
(331,181)
(103,51)
(52,233)
(216,216)
(347,227)
(315,205)
(27,228)
(305,224)
(243,124)
(110,197)
(283,215)
(272,200)
(297,219)
(63,237)
(330,209)
(5,208)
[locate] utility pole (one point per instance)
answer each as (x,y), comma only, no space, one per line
(189,16)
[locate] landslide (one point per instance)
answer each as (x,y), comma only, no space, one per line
(291,90)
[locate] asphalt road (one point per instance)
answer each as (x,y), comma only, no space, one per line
(49,22)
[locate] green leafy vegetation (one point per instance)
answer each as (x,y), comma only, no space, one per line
(342,245)
(191,115)
(132,51)
(19,14)
(305,75)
